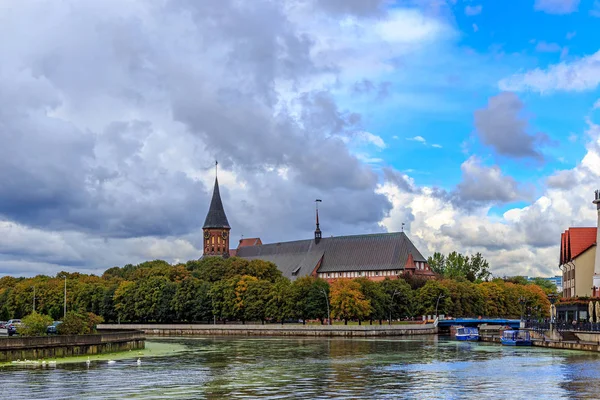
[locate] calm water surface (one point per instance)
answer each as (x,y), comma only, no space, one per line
(236,367)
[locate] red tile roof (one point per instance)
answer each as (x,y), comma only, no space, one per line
(250,242)
(232,252)
(574,241)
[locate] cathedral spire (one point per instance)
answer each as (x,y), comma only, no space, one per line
(216,227)
(216,217)
(318,230)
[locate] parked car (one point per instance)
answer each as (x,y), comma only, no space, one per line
(11,326)
(53,329)
(3,324)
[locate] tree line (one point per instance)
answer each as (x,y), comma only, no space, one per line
(214,289)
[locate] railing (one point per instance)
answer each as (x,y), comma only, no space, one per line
(563,326)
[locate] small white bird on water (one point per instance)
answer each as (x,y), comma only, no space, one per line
(111,361)
(139,361)
(87,362)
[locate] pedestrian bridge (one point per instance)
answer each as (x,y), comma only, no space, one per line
(446,323)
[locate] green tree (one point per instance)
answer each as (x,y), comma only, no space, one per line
(76,323)
(192,301)
(310,296)
(400,298)
(433,295)
(256,298)
(379,300)
(437,263)
(280,304)
(34,324)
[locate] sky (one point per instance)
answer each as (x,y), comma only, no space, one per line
(474,123)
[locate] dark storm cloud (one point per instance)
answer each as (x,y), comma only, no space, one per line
(501,126)
(357,7)
(105,135)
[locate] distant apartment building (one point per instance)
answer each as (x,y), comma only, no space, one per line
(556,280)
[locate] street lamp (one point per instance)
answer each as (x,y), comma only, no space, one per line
(392,305)
(322,290)
(522,301)
(437,303)
(65,302)
(34,298)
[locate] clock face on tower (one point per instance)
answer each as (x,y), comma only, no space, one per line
(206,235)
(224,235)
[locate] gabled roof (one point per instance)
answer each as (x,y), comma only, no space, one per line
(250,242)
(216,217)
(575,241)
(383,251)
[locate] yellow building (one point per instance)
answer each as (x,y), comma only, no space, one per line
(577,260)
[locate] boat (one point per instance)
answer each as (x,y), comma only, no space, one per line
(467,334)
(515,338)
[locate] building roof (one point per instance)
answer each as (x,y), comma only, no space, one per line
(575,241)
(383,251)
(250,242)
(216,217)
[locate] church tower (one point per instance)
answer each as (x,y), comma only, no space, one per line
(216,227)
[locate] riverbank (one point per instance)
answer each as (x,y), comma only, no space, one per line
(275,329)
(45,347)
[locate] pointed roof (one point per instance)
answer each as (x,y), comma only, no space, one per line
(216,217)
(410,262)
(575,241)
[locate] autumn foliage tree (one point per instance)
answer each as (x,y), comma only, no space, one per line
(347,301)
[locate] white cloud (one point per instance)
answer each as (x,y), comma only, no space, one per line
(545,47)
(437,146)
(522,240)
(556,6)
(473,10)
(596,104)
(419,139)
(409,26)
(579,75)
(475,28)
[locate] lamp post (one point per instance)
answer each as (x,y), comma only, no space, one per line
(437,303)
(392,305)
(65,303)
(522,302)
(322,290)
(34,298)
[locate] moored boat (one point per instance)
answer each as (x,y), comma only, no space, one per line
(467,334)
(515,338)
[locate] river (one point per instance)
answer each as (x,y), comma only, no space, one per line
(275,368)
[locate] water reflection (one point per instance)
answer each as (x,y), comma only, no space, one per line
(419,367)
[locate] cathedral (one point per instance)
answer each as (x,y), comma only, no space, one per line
(373,256)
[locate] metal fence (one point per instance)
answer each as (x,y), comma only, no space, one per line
(541,326)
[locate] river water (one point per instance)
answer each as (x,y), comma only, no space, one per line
(276,368)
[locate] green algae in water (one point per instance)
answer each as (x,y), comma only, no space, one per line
(153,349)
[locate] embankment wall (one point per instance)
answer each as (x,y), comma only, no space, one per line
(276,329)
(40,347)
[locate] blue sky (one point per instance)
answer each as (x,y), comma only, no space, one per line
(490,41)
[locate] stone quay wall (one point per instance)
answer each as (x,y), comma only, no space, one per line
(39,347)
(276,329)
(584,341)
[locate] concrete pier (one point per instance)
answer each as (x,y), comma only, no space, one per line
(32,348)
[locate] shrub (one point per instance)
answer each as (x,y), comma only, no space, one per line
(75,323)
(34,324)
